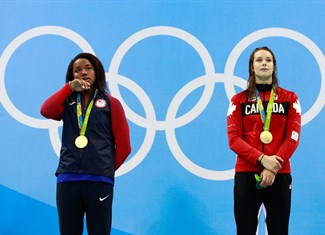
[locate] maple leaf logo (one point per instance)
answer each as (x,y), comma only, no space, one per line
(297,107)
(231,109)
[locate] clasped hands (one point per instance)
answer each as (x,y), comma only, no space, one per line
(272,164)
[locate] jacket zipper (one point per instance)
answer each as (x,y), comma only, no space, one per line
(265,115)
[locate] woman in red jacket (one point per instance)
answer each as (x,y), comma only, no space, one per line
(95,143)
(263,125)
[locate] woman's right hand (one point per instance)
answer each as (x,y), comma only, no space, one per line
(79,85)
(272,163)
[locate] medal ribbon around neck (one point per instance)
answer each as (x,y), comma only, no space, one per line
(266,136)
(82,141)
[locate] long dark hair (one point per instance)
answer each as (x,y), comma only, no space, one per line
(251,83)
(98,68)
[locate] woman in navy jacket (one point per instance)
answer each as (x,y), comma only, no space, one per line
(95,143)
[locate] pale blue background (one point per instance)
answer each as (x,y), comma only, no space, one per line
(159,196)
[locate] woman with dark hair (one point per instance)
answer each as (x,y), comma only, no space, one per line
(263,146)
(95,143)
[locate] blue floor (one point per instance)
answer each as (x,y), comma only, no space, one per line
(22,215)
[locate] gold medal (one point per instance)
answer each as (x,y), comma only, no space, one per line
(81,141)
(266,137)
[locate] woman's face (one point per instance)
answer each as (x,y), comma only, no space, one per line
(83,70)
(263,67)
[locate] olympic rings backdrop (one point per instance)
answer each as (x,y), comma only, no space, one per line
(174,66)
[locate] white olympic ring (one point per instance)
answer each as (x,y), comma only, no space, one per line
(286,33)
(171,122)
(10,49)
(208,81)
(151,123)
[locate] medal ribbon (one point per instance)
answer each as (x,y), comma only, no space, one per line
(266,120)
(83,122)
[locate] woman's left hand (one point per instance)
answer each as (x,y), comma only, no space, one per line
(267,178)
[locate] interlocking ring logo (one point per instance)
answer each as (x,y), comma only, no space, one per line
(150,123)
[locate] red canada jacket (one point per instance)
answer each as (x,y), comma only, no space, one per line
(244,126)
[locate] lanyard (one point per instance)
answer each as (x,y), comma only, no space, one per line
(83,122)
(266,120)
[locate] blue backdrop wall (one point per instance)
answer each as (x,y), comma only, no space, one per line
(174,65)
